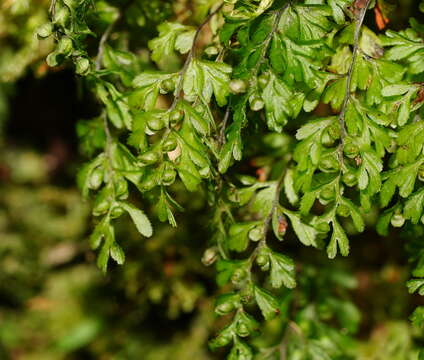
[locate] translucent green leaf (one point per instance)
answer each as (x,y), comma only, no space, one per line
(103,257)
(356,216)
(313,127)
(282,271)
(306,234)
(418,317)
(414,207)
(416,285)
(338,239)
(281,103)
(239,235)
(225,269)
(117,253)
(140,220)
(171,36)
(289,187)
(204,78)
(395,90)
(267,303)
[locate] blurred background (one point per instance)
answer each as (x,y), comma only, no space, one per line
(56,304)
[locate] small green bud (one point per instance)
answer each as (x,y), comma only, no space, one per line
(82,66)
(349,179)
(167,85)
(262,260)
(61,15)
(329,163)
(155,124)
(101,206)
(149,157)
(351,150)
(169,144)
(211,50)
(257,104)
(263,80)
(327,194)
(168,177)
(205,172)
(96,178)
(238,86)
(343,210)
(246,293)
(323,227)
(222,340)
(116,212)
(45,30)
(224,308)
(238,275)
(65,46)
(176,116)
(242,329)
(397,220)
(256,233)
(52,59)
(199,109)
(334,131)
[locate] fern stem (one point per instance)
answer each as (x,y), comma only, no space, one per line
(267,41)
(190,57)
(358,27)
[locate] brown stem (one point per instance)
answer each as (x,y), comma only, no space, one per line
(107,33)
(190,56)
(359,23)
(268,39)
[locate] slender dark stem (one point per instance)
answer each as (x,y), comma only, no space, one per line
(108,147)
(268,39)
(265,47)
(359,23)
(107,33)
(190,56)
(224,125)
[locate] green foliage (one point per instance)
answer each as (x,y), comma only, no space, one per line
(213,103)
